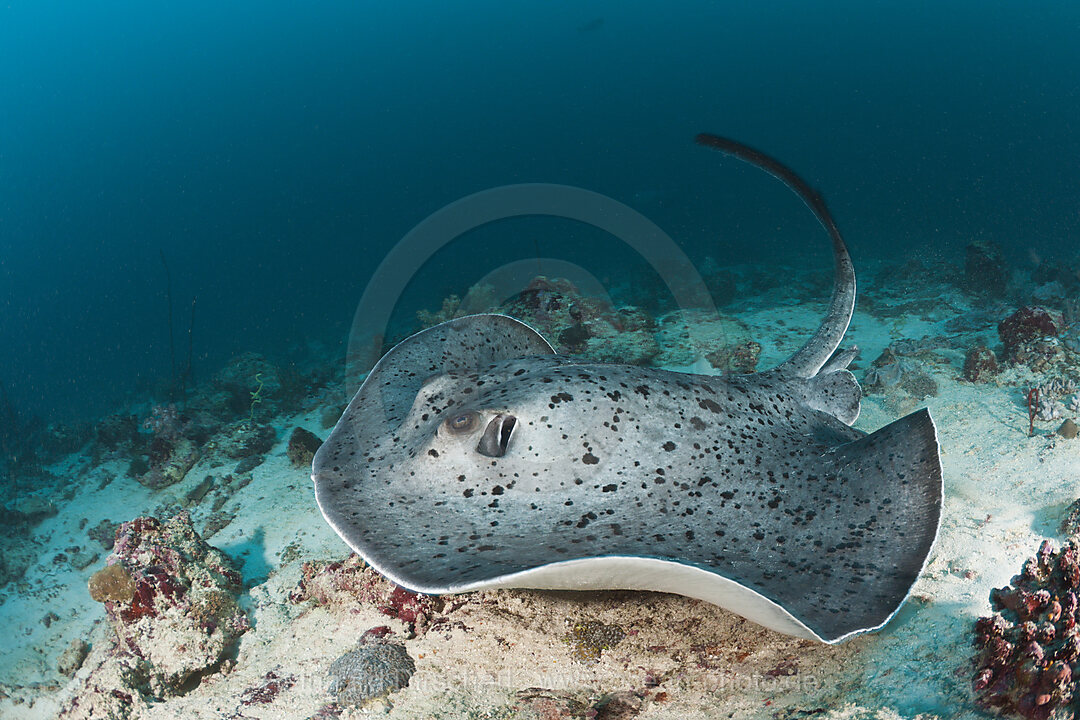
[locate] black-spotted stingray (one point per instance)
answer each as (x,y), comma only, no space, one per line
(475,457)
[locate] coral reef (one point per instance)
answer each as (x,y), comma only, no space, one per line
(891,371)
(171,599)
(169,452)
(1028,651)
(170,468)
(479,298)
(302,447)
(980,364)
(370,671)
(234,384)
(1024,335)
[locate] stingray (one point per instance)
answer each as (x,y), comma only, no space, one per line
(473,456)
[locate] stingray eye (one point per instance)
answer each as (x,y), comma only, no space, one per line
(463,422)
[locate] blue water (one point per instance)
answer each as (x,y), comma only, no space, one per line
(273,152)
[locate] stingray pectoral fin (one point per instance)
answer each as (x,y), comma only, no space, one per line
(891,483)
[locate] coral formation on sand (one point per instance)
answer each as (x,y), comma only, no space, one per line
(371,670)
(1068,429)
(242,440)
(980,364)
(170,452)
(740,358)
(1026,333)
(17,546)
(113,584)
(574,323)
(73,657)
(267,691)
(302,447)
(1028,651)
(172,600)
(352,581)
(546,704)
(1050,398)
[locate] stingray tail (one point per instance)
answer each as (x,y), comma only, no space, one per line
(812,356)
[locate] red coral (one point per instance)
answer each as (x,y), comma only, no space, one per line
(376,633)
(405,605)
(150,583)
(1028,323)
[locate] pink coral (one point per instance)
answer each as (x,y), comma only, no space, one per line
(1029,649)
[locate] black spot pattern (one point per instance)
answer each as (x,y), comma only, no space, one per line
(736,475)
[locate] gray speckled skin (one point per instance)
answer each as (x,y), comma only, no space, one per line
(735,475)
(756,479)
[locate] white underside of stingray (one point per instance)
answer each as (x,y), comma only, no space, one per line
(474,458)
